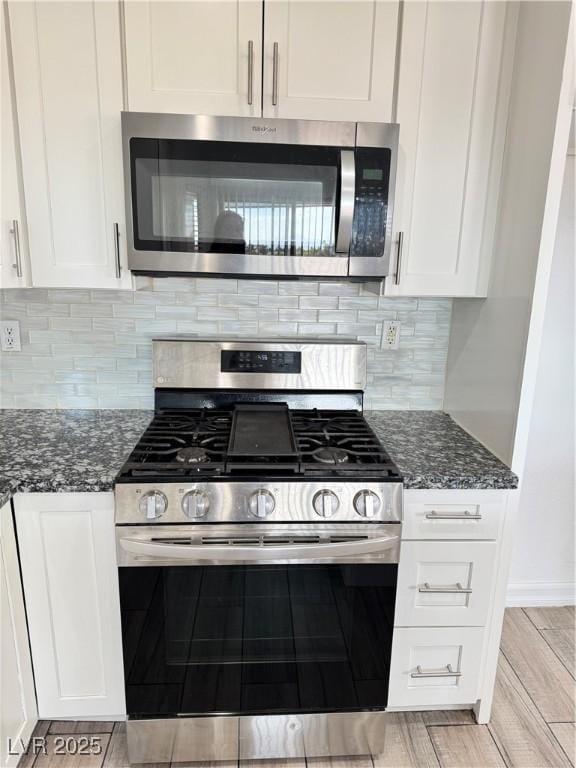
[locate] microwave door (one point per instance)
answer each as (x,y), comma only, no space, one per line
(240,208)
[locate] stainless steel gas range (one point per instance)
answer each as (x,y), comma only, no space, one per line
(258,529)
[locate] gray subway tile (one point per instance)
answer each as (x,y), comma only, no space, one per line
(337,315)
(216,285)
(279,302)
(318,302)
(322,329)
(238,300)
(298,315)
(339,289)
(133,310)
(297,288)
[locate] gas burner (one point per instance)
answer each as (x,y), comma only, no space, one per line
(193,454)
(328,455)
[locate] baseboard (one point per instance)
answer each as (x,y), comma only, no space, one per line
(531,593)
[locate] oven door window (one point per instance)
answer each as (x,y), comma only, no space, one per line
(256,639)
(234,198)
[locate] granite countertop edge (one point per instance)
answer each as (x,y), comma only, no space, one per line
(429,448)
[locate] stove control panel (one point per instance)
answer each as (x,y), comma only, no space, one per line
(260,361)
(269,502)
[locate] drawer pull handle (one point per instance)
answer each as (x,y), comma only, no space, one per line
(446,671)
(447,516)
(457,590)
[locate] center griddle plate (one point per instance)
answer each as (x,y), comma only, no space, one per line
(262,430)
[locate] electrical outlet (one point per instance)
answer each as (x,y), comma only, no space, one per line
(391,334)
(10,336)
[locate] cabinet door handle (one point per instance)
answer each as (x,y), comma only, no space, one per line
(446,671)
(250,71)
(399,258)
(457,590)
(15,232)
(433,515)
(275,75)
(117,249)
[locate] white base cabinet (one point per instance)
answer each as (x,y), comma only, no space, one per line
(68,555)
(435,666)
(445,583)
(454,559)
(18,714)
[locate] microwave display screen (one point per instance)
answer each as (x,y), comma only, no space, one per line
(373,174)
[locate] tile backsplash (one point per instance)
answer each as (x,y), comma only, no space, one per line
(92,348)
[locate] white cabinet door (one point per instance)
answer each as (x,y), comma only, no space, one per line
(67,548)
(68,84)
(453,514)
(202,58)
(453,87)
(444,583)
(435,666)
(14,270)
(333,61)
(18,711)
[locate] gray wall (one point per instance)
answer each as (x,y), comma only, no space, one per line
(91,349)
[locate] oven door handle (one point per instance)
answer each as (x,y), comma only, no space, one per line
(347,192)
(227,553)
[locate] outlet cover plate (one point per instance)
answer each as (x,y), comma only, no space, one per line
(391,334)
(10,336)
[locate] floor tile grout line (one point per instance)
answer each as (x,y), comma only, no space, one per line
(524,687)
(560,747)
(431,740)
(540,631)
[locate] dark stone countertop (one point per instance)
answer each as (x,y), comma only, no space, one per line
(67,450)
(432,451)
(74,451)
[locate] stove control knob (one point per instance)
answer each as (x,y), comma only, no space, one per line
(153,504)
(367,503)
(325,503)
(261,503)
(195,504)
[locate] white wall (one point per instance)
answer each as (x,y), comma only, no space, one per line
(488,337)
(543,561)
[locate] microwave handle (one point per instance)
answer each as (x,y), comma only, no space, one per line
(347,192)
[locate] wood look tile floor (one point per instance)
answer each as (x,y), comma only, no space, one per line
(532,724)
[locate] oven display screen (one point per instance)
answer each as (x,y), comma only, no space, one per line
(251,361)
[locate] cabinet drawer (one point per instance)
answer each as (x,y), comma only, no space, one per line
(453,514)
(435,666)
(444,583)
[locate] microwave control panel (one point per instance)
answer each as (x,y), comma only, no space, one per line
(371,201)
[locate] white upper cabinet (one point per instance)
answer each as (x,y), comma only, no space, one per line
(14,270)
(68,86)
(194,57)
(330,60)
(453,87)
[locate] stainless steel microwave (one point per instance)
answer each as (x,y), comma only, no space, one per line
(269,198)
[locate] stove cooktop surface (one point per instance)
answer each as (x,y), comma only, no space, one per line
(257,440)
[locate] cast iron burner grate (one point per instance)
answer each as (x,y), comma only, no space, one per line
(267,442)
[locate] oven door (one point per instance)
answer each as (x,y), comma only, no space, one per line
(238,196)
(227,620)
